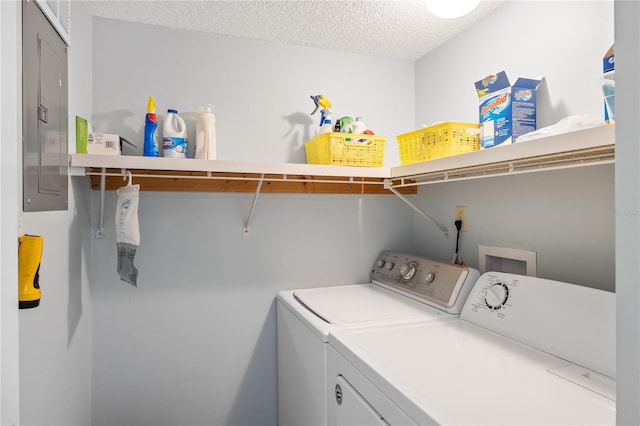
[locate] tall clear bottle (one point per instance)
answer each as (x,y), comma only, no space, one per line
(206,134)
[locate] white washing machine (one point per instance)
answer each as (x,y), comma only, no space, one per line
(404,288)
(524,351)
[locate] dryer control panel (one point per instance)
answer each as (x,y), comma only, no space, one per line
(443,285)
(573,322)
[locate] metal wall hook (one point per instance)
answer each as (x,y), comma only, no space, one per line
(125,174)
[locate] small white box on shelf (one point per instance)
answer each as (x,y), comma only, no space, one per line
(103,144)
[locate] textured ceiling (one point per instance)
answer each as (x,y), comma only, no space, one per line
(393,29)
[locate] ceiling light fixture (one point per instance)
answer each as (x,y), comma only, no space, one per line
(449,9)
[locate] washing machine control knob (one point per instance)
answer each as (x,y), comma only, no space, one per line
(430,277)
(389,266)
(408,270)
(497,295)
(380,263)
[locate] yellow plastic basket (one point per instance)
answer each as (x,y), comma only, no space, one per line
(346,149)
(440,140)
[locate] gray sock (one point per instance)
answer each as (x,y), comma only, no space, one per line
(128,272)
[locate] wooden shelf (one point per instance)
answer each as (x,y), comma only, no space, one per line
(580,148)
(179,174)
(576,149)
(152,180)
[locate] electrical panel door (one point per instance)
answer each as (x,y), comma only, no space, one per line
(45,113)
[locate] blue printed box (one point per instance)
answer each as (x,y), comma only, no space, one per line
(494,93)
(609,85)
(523,110)
(506,111)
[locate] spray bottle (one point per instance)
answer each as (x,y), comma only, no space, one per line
(325,113)
(151,145)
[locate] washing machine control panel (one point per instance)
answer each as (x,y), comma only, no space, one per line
(438,283)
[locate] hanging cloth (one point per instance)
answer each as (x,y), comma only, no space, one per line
(127,231)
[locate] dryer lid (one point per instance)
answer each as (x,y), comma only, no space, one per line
(455,372)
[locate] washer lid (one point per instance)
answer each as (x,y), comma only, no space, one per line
(363,303)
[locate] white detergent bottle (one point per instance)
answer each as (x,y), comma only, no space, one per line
(358,126)
(206,134)
(174,136)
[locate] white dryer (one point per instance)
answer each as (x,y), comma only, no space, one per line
(524,351)
(404,288)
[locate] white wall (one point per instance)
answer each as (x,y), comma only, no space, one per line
(565,216)
(9,185)
(55,338)
(132,325)
(260,90)
(195,343)
(564,41)
(627,22)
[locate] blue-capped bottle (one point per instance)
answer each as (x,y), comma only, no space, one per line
(151,147)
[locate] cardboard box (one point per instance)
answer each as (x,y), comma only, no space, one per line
(523,111)
(506,111)
(103,144)
(608,85)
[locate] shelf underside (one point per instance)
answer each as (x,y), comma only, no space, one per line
(577,158)
(157,180)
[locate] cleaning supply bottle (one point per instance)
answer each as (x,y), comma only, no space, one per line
(151,146)
(325,126)
(206,134)
(174,136)
(358,126)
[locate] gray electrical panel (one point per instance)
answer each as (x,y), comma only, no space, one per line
(45,163)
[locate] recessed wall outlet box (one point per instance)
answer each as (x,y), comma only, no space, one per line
(502,259)
(103,144)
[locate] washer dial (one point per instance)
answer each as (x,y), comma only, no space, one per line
(408,270)
(430,277)
(496,296)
